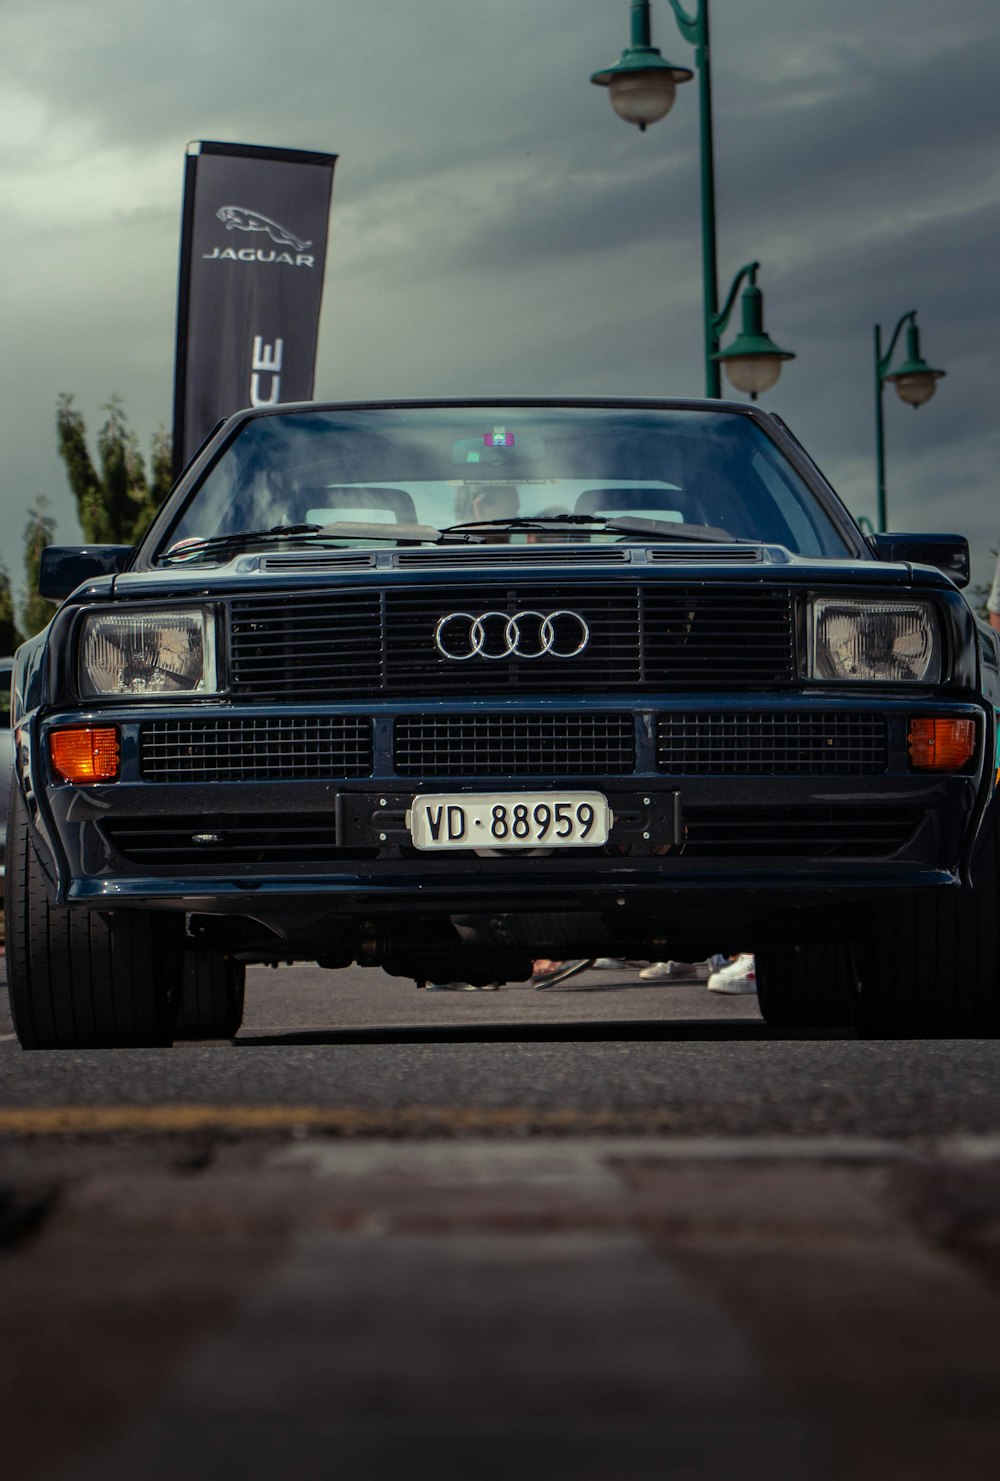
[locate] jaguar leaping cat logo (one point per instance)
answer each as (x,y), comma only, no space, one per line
(239,219)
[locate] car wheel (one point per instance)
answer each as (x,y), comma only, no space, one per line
(929,966)
(211,997)
(84,979)
(804,986)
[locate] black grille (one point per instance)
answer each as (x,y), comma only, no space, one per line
(657,636)
(798,832)
(316,647)
(514,745)
(256,749)
(772,744)
(278,841)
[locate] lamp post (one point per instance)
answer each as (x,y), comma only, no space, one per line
(642,86)
(753,361)
(915,382)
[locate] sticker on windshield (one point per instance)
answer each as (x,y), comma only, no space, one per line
(499,437)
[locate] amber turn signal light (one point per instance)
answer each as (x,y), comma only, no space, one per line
(85,753)
(941,745)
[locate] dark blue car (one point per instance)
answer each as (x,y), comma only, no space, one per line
(6,760)
(445,687)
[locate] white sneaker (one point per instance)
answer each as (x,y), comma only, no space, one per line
(739,977)
(671,972)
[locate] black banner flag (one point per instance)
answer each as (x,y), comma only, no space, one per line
(253,253)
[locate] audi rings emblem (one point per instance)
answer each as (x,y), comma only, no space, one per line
(493,635)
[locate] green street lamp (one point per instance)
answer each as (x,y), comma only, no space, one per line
(753,361)
(915,382)
(642,86)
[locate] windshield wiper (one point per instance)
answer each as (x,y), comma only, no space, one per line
(625,524)
(186,550)
(404,534)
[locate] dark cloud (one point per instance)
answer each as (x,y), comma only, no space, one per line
(496,228)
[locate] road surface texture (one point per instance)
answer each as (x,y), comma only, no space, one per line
(609,1232)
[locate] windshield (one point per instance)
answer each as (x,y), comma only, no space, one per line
(382,468)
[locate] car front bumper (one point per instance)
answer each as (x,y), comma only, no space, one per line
(340,847)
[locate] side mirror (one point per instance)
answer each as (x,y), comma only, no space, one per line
(65,567)
(949,553)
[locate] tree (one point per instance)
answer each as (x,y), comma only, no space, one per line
(38,533)
(10,634)
(115,500)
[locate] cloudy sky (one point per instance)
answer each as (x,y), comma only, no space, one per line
(497,230)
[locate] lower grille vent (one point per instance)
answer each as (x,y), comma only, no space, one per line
(515,745)
(773,744)
(272,841)
(799,832)
(258,749)
(285,843)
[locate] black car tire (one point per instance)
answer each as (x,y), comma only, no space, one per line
(84,979)
(929,966)
(805,986)
(211,997)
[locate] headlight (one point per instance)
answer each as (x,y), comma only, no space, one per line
(885,641)
(144,653)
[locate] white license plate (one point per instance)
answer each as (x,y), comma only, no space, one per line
(509,820)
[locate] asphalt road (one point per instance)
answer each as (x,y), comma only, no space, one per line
(603,1051)
(610,1232)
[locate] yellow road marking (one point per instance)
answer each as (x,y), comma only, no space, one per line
(336,1121)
